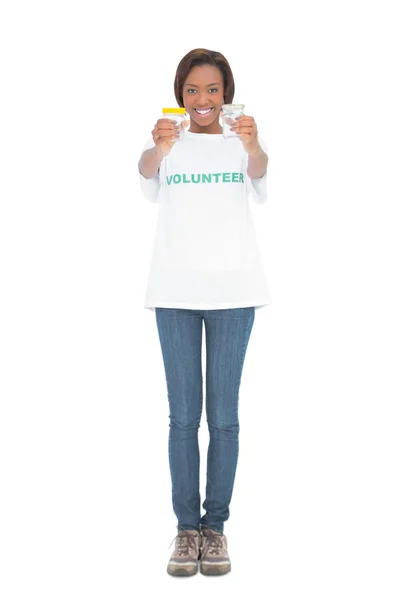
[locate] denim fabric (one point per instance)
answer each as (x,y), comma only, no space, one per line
(227,336)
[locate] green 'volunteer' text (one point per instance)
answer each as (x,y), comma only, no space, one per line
(206,178)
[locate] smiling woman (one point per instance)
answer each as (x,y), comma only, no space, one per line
(205,269)
(202,88)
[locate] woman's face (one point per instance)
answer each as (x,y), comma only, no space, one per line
(203,90)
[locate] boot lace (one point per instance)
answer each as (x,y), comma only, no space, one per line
(213,543)
(185,541)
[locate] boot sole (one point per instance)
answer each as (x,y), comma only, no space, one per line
(214,571)
(180,572)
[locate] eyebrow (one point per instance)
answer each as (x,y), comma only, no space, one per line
(192,84)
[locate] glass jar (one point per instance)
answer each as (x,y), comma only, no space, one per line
(229,113)
(178,115)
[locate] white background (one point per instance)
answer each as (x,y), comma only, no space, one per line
(85,502)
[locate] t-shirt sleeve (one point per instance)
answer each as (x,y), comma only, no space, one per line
(257,188)
(150,187)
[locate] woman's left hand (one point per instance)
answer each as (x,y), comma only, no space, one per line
(246,128)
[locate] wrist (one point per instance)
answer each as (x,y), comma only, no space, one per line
(254,150)
(158,153)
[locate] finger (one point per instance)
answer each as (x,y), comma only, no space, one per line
(244,118)
(157,131)
(164,136)
(168,130)
(166,127)
(246,123)
(166,133)
(165,121)
(244,126)
(248,128)
(242,129)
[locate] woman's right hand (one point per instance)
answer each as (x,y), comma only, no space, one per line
(165,133)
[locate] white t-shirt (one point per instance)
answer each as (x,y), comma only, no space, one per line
(205,253)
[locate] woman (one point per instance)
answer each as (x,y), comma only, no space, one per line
(205,267)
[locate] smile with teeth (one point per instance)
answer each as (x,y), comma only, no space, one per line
(203,112)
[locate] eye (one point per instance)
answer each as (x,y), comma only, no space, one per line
(213,90)
(190,90)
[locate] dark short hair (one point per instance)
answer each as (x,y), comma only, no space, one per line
(197,58)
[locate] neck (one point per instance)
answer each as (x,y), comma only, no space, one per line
(212,128)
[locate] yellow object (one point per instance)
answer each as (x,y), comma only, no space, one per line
(174,111)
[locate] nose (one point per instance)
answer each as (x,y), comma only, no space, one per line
(203,99)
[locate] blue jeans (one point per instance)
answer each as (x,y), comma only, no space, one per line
(227,335)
